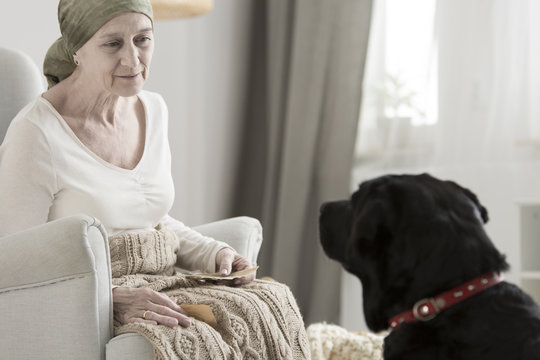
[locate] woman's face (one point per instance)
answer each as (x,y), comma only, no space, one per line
(117,58)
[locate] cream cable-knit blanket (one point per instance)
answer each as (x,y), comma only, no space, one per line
(260,320)
(332,342)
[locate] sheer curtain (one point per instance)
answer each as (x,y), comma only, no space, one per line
(471,115)
(489,53)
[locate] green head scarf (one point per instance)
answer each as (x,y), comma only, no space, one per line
(79,21)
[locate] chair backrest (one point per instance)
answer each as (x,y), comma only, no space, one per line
(20,82)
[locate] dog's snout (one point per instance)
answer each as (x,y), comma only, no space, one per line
(323,207)
(334,226)
(332,206)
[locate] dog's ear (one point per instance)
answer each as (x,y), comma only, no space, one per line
(472,196)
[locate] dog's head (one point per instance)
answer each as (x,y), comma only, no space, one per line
(407,237)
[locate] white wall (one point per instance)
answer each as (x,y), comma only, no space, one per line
(31,31)
(200,68)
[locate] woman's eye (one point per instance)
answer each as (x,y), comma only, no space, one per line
(143,39)
(112,44)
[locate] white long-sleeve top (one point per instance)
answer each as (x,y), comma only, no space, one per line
(47,173)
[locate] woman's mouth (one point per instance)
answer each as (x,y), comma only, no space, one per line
(129,76)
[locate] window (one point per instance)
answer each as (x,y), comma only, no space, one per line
(399,107)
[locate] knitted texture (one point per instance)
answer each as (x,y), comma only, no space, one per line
(331,342)
(149,252)
(259,320)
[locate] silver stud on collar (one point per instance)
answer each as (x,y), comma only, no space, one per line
(440,303)
(458,294)
(394,324)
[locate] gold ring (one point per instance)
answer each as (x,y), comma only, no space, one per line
(144,314)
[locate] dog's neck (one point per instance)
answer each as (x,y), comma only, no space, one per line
(427,309)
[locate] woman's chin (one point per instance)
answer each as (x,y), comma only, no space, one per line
(128,91)
(126,87)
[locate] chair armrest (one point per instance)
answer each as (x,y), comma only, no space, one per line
(244,234)
(55,291)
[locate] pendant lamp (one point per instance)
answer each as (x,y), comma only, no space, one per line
(177,9)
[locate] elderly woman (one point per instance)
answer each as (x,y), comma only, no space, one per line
(96,143)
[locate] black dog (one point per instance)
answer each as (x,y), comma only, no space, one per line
(418,245)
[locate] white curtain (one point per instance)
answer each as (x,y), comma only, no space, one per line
(489,76)
(472,115)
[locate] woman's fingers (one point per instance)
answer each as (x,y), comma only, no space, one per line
(147,306)
(158,314)
(139,320)
(161,319)
(229,261)
(153,318)
(170,317)
(238,281)
(165,301)
(167,312)
(244,279)
(241,263)
(224,261)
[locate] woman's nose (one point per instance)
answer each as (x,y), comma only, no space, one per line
(130,56)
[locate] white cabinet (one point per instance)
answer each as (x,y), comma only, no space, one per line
(529,237)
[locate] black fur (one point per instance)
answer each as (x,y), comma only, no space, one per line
(409,237)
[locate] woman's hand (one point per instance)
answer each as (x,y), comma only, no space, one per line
(136,305)
(227,261)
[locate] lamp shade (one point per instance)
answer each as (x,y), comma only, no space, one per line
(176,9)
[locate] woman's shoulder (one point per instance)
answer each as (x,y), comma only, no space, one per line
(35,115)
(30,131)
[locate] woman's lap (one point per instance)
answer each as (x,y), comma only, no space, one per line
(259,320)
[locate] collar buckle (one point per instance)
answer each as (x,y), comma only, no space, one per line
(426,309)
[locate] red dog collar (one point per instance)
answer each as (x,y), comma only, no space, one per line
(427,309)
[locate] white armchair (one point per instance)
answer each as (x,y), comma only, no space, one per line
(55,284)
